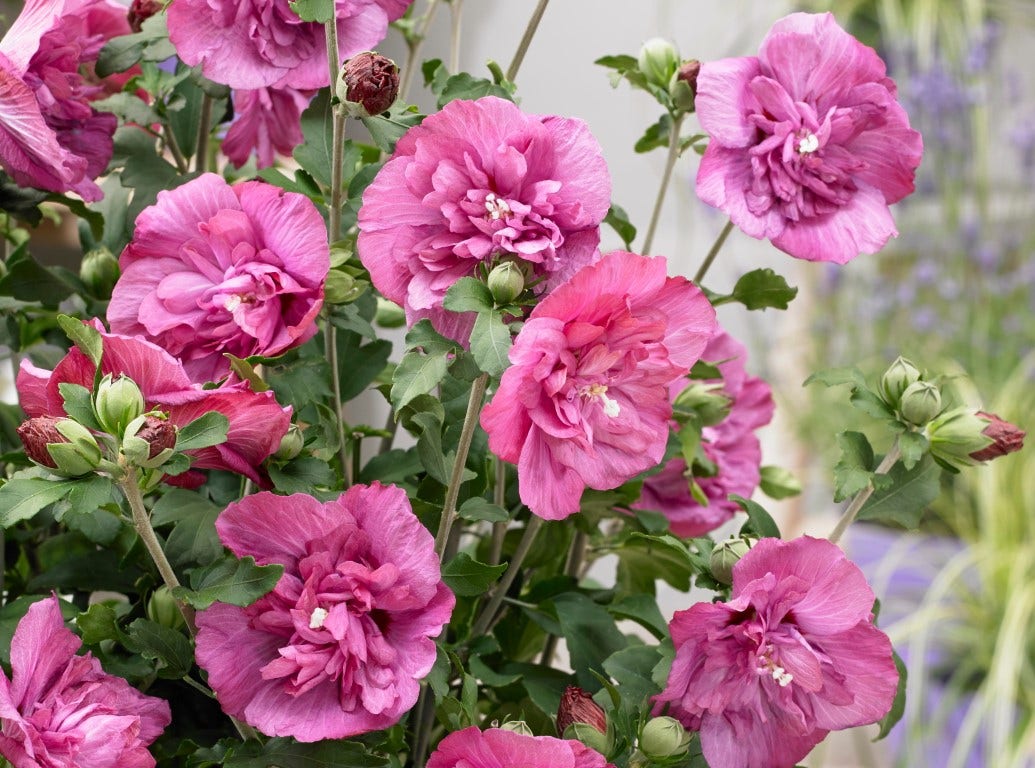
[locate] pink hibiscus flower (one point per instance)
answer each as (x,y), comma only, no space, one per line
(339,646)
(50,136)
(214,268)
(257,422)
(268,122)
(500,748)
(730,445)
(475,182)
(257,43)
(808,144)
(792,656)
(61,710)
(585,401)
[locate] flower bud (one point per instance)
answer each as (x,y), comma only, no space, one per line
(149,440)
(590,736)
(708,401)
(163,609)
(1006,438)
(664,737)
(956,435)
(368,84)
(725,556)
(159,434)
(683,85)
(900,375)
(62,445)
(140,11)
(100,271)
(290,444)
(517,726)
(118,401)
(921,401)
(577,706)
(340,288)
(658,61)
(506,281)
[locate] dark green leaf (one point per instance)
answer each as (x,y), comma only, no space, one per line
(237,582)
(129,107)
(760,522)
(854,469)
(392,467)
(83,512)
(478,508)
(302,475)
(469,578)
(30,281)
(832,377)
(320,11)
(78,402)
(159,643)
(643,609)
(656,136)
(84,336)
(150,43)
(631,669)
(418,373)
(206,430)
(288,753)
(905,498)
(488,676)
(464,86)
(913,446)
(98,623)
(898,706)
(871,403)
(22,498)
(643,559)
(618,220)
(590,633)
(490,343)
(468,294)
(360,365)
(762,288)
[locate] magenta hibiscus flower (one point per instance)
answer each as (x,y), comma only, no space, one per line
(792,656)
(257,43)
(339,646)
(808,144)
(585,401)
(50,136)
(257,423)
(500,748)
(478,181)
(214,268)
(731,445)
(268,122)
(61,710)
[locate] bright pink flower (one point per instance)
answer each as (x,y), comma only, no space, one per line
(792,656)
(585,401)
(478,181)
(500,748)
(214,268)
(50,136)
(257,423)
(60,710)
(268,122)
(339,646)
(808,144)
(730,445)
(257,43)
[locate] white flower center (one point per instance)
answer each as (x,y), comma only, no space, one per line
(611,407)
(317,618)
(496,207)
(808,145)
(769,667)
(231,303)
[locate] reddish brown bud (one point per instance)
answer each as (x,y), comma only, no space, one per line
(1006,438)
(35,434)
(371,81)
(577,706)
(140,11)
(158,433)
(688,72)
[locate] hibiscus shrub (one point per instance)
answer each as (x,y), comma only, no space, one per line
(284,539)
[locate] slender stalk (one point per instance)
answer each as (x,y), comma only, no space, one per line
(330,349)
(425,716)
(526,40)
(716,247)
(860,498)
(337,157)
(415,44)
(499,530)
(331,36)
(391,427)
(485,620)
(456,9)
(174,149)
(204,129)
(474,407)
(666,177)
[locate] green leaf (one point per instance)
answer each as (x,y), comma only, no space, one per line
(871,403)
(386,131)
(78,403)
(418,373)
(84,336)
(22,498)
(392,467)
(193,540)
(464,86)
(832,377)
(129,107)
(150,43)
(489,676)
(656,136)
(469,578)
(620,62)
(643,609)
(778,483)
(590,633)
(98,623)
(288,753)
(84,513)
(490,343)
(631,669)
(898,706)
(236,582)
(468,294)
(643,559)
(206,430)
(854,469)
(171,649)
(303,475)
(28,280)
(763,288)
(908,494)
(760,522)
(913,446)
(618,220)
(320,11)
(478,508)
(360,364)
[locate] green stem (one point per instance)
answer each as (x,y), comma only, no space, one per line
(337,158)
(499,530)
(474,407)
(481,626)
(526,40)
(331,353)
(204,129)
(414,44)
(456,9)
(424,715)
(716,247)
(330,29)
(860,498)
(174,149)
(666,177)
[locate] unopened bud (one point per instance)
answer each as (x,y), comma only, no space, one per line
(577,706)
(163,609)
(117,403)
(62,445)
(900,375)
(290,444)
(664,737)
(1006,438)
(100,271)
(506,281)
(658,61)
(517,726)
(956,435)
(368,84)
(921,401)
(708,401)
(683,85)
(140,11)
(149,440)
(159,434)
(590,736)
(341,288)
(725,556)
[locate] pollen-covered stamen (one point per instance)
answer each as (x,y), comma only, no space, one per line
(808,144)
(496,207)
(317,618)
(769,667)
(611,407)
(232,302)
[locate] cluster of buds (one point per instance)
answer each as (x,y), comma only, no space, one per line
(904,388)
(368,84)
(660,64)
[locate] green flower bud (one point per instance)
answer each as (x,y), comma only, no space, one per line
(658,61)
(389,314)
(517,726)
(590,736)
(118,401)
(957,434)
(291,444)
(900,375)
(708,401)
(63,446)
(99,270)
(341,288)
(683,85)
(506,282)
(725,556)
(921,401)
(664,737)
(163,609)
